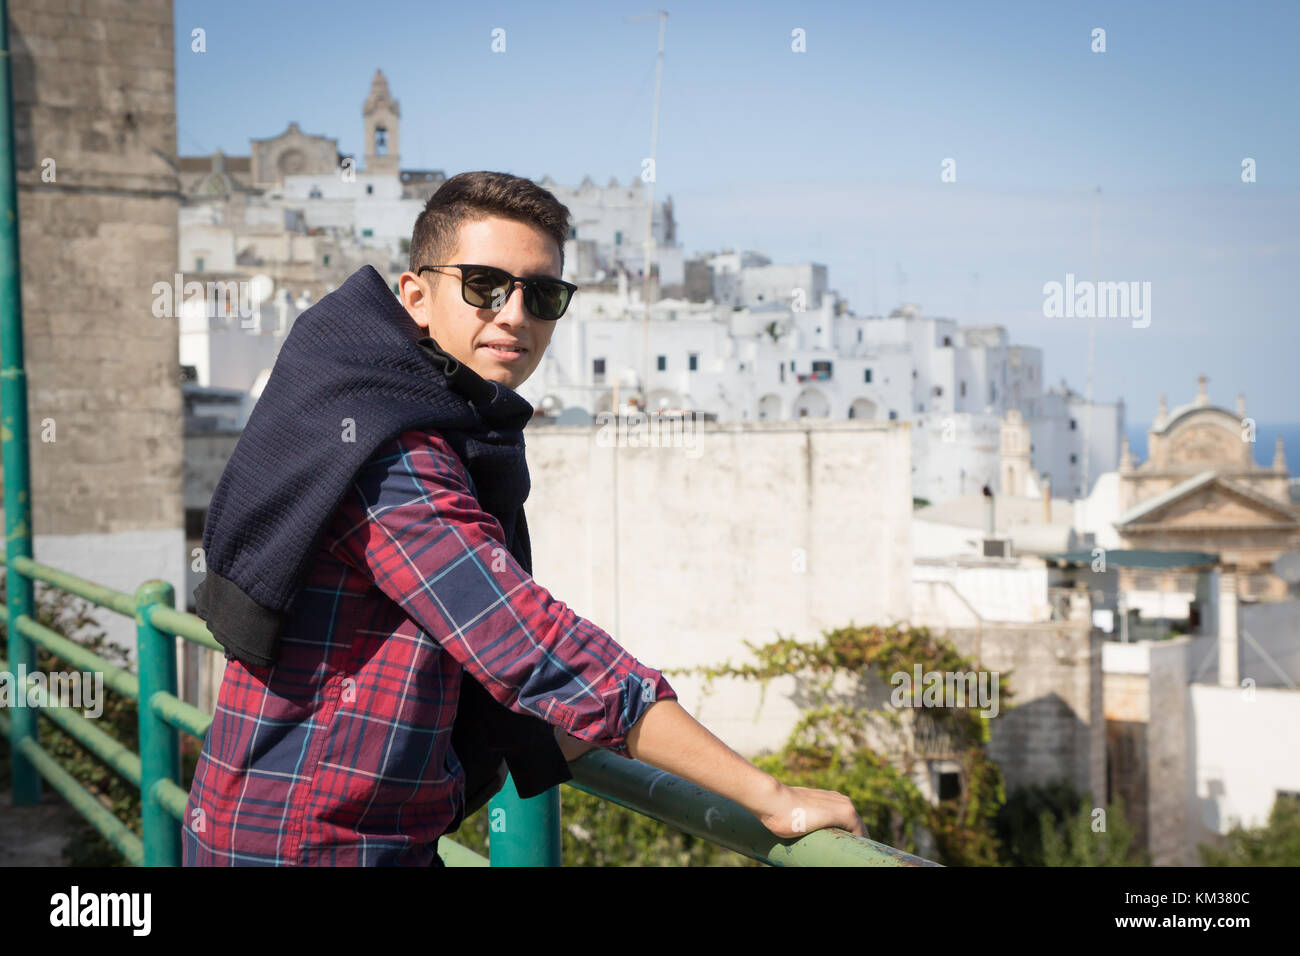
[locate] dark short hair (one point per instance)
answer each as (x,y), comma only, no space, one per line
(469,197)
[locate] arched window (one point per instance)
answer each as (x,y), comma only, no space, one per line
(381,141)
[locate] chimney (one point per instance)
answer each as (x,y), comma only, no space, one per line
(1228,673)
(988,512)
(1047,499)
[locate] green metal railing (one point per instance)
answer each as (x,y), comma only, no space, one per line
(532,837)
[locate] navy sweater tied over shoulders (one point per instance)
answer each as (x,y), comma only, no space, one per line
(354,372)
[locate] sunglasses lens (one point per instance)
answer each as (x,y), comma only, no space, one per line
(484,287)
(547,300)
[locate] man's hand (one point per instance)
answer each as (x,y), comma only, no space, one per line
(795,811)
(669,738)
(571,746)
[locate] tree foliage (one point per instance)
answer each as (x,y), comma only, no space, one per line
(1277,843)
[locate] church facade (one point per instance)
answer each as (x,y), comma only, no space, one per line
(1201,489)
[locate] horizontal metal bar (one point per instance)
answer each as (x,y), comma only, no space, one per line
(181,715)
(692,809)
(98,594)
(171,798)
(113,752)
(84,802)
(121,680)
(182,624)
(453,854)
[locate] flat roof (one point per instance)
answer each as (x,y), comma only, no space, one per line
(1138,558)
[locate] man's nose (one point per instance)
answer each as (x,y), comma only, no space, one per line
(513,308)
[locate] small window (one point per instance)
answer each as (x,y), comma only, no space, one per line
(859,335)
(1074,459)
(367,232)
(370,190)
(866,375)
(693,361)
(893,415)
(792,365)
(963,389)
(198,264)
(1074,426)
(938,390)
(315,193)
(325,260)
(781,368)
(947,341)
(949,786)
(598,366)
(661,363)
(618,238)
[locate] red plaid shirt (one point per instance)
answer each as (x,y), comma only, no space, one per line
(340,754)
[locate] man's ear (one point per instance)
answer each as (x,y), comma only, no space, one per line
(416,297)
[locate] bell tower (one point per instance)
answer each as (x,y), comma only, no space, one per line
(381,116)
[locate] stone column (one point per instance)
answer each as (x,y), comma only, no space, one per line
(1228,672)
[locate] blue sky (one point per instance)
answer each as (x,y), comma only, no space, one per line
(834,155)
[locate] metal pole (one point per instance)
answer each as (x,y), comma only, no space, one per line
(159,741)
(650,207)
(524,832)
(13,434)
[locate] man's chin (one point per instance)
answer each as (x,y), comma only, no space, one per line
(495,373)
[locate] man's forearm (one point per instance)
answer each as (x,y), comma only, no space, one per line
(669,738)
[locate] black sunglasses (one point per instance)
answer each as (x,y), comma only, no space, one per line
(487,287)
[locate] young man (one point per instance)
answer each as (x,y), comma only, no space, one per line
(369,575)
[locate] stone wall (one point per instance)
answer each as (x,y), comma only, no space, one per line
(95,131)
(765,530)
(1054,727)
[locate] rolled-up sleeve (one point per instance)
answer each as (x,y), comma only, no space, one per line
(415,527)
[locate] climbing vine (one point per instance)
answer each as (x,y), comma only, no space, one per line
(849,740)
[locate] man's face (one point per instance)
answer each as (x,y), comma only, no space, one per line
(434,301)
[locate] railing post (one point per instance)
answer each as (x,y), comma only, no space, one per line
(159,741)
(13,395)
(524,832)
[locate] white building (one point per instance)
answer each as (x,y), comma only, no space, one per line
(803,355)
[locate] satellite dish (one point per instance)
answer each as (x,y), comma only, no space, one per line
(260,288)
(194,309)
(1287,566)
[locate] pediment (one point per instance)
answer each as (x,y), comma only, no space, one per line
(1217,503)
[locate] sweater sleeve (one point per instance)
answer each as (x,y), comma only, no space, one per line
(415,527)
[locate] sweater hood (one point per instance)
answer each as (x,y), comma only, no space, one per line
(354,372)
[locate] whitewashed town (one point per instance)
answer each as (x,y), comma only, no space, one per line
(1134,598)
